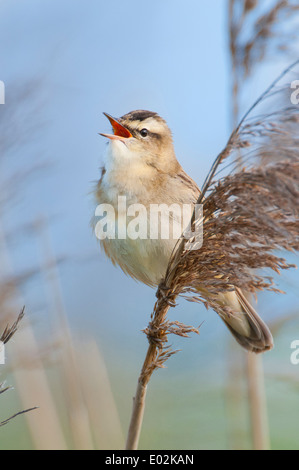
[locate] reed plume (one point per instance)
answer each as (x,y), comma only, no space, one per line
(258,32)
(249,216)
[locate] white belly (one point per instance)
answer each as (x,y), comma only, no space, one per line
(144,253)
(144,260)
(146,257)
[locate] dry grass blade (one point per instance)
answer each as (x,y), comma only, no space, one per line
(6,421)
(10,330)
(7,334)
(3,389)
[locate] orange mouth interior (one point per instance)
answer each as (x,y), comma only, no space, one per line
(118,129)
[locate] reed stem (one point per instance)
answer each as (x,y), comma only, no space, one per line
(257,401)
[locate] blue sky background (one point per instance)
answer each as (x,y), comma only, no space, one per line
(94,57)
(89,57)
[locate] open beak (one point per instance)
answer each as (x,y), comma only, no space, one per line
(120,132)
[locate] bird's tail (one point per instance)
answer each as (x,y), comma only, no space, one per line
(246,326)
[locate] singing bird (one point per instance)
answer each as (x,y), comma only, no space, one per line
(141,164)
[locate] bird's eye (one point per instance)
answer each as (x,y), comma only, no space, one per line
(144,132)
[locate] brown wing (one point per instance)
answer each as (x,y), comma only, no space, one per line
(191,187)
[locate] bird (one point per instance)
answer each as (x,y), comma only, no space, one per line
(140,164)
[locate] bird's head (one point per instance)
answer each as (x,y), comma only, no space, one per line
(142,138)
